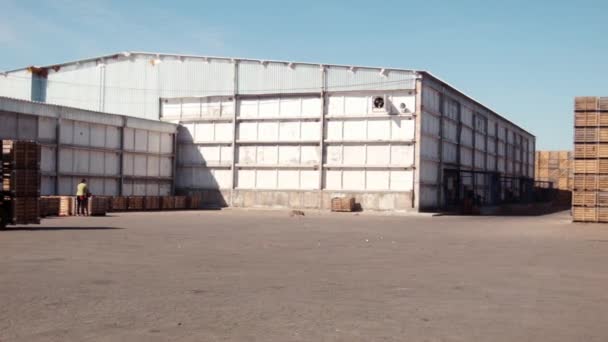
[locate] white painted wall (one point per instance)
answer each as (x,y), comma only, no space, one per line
(90,147)
(278,142)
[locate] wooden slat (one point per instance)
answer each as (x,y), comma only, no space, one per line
(585,214)
(585,198)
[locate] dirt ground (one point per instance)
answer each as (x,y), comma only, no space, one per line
(264,276)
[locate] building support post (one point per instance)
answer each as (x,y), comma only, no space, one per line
(235,94)
(323,95)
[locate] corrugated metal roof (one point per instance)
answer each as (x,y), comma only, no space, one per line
(252,81)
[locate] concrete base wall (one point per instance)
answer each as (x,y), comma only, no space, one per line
(373,201)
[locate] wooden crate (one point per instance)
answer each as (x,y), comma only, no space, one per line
(152,203)
(343,204)
(180,202)
(194,201)
(18,154)
(135,203)
(167,202)
(585,198)
(66,205)
(555,167)
(26,210)
(118,203)
(582,151)
(585,214)
(602,214)
(590,134)
(98,205)
(586,103)
(22,182)
(603,103)
(49,206)
(590,182)
(591,166)
(591,119)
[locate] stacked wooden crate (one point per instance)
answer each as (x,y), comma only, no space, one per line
(590,184)
(152,203)
(555,167)
(118,203)
(135,203)
(180,202)
(98,205)
(167,202)
(344,204)
(49,206)
(21,179)
(194,201)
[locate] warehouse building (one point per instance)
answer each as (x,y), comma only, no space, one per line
(288,134)
(118,155)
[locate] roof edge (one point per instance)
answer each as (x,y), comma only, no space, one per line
(444,83)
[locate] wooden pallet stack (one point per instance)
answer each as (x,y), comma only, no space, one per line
(555,167)
(21,179)
(590,184)
(152,203)
(343,204)
(167,202)
(180,202)
(118,203)
(98,205)
(135,203)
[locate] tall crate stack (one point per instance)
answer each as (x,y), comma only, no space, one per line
(21,179)
(590,186)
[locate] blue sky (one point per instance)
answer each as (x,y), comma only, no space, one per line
(525,59)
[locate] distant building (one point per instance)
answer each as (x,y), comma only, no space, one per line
(288,134)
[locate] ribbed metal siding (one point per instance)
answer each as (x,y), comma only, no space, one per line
(195,77)
(75,86)
(259,78)
(16,84)
(345,79)
(131,88)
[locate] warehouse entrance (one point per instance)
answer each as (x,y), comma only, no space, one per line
(484,188)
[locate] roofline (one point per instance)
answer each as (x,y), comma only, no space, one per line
(444,83)
(81,110)
(143,53)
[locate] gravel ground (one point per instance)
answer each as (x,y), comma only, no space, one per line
(237,275)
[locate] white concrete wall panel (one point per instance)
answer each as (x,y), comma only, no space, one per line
(480,160)
(16,84)
(47,129)
(480,142)
(466,156)
(47,159)
(450,152)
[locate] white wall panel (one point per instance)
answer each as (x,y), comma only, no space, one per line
(430,124)
(480,160)
(27,127)
(480,142)
(466,156)
(47,159)
(429,148)
(450,152)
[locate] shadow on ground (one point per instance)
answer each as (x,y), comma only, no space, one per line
(32,228)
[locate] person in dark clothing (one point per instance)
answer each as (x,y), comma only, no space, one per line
(82,198)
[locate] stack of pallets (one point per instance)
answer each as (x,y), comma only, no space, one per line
(135,203)
(590,185)
(118,203)
(180,202)
(21,179)
(344,204)
(98,205)
(194,201)
(167,202)
(152,203)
